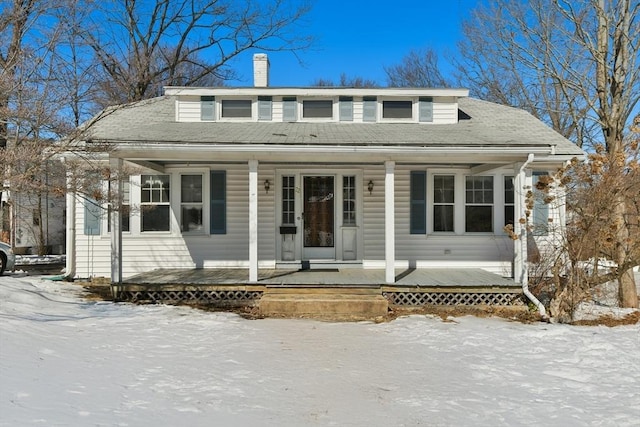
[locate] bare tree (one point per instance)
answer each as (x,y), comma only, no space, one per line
(150,43)
(573,64)
(346,81)
(419,68)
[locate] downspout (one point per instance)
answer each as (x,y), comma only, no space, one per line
(70,266)
(524,277)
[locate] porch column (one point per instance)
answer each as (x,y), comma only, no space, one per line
(115,197)
(520,273)
(389,222)
(253,220)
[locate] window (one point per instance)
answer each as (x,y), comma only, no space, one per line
(479,204)
(443,202)
(509,194)
(207,108)
(348,200)
(369,108)
(288,200)
(155,203)
(92,208)
(191,203)
(317,109)
(346,108)
(218,203)
(264,107)
(540,208)
(418,208)
(35,216)
(426,109)
(125,211)
(236,108)
(397,109)
(289,109)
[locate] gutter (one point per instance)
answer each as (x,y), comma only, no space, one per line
(524,277)
(70,266)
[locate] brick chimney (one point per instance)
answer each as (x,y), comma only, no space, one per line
(260,70)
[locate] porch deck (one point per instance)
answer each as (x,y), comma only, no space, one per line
(413,287)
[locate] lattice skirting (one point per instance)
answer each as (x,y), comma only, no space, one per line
(231,298)
(417,299)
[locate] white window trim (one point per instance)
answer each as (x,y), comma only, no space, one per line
(172,219)
(254,109)
(205,200)
(414,110)
(335,109)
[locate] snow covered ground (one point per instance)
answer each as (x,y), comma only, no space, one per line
(67,361)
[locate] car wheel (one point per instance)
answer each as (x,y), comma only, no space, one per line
(3,264)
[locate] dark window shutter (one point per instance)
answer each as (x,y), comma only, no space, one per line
(370,104)
(418,208)
(346,108)
(207,108)
(92,214)
(289,109)
(218,211)
(426,109)
(264,108)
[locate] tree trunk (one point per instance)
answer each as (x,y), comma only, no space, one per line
(627,292)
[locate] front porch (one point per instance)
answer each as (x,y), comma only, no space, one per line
(314,292)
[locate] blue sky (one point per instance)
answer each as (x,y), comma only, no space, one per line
(360,37)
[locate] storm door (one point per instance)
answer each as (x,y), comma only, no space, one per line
(319,217)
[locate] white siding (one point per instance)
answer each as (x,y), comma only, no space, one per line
(445,110)
(148,251)
(188,109)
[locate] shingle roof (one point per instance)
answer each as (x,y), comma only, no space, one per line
(488,124)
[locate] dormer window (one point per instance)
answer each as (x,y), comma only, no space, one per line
(397,109)
(236,108)
(317,109)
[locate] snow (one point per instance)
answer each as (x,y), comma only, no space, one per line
(69,361)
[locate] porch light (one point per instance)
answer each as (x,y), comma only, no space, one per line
(370,187)
(267,186)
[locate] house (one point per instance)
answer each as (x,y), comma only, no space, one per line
(318,177)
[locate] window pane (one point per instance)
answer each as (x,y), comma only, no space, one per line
(443,189)
(508,189)
(289,109)
(155,218)
(426,109)
(443,218)
(346,108)
(349,202)
(540,208)
(264,108)
(397,109)
(191,218)
(155,189)
(236,108)
(479,219)
(191,189)
(317,109)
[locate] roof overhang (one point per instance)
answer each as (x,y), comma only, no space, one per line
(314,91)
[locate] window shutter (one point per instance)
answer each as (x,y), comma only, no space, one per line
(418,208)
(207,108)
(346,108)
(264,108)
(426,109)
(218,211)
(540,209)
(289,109)
(92,214)
(369,105)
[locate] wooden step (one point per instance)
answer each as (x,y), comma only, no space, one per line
(332,304)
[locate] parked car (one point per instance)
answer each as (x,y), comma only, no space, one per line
(7,258)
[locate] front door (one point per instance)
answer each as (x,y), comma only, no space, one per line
(318,217)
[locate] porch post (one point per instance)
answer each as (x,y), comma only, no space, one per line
(116,219)
(253,220)
(389,222)
(520,230)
